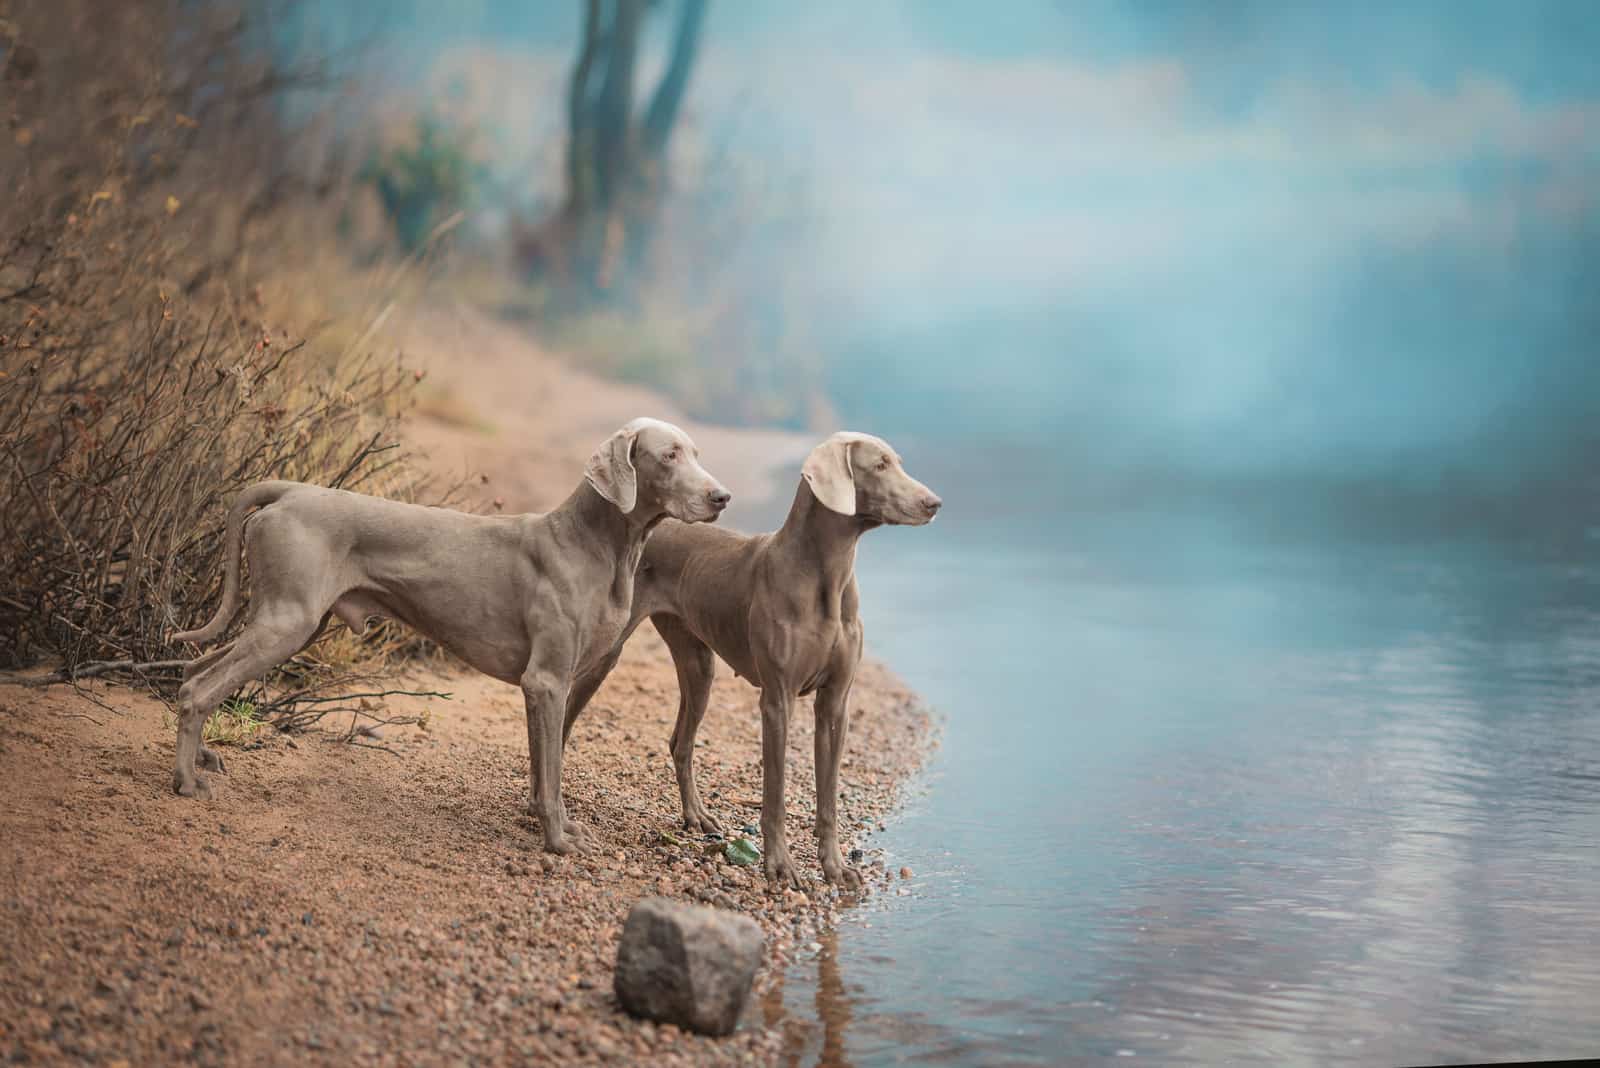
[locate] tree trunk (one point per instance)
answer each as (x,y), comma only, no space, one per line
(580,134)
(615,165)
(650,164)
(663,113)
(614,109)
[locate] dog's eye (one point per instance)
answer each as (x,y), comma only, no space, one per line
(883,464)
(671,457)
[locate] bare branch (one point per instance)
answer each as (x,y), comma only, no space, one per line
(96,668)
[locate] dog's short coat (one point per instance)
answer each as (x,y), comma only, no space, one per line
(782,610)
(534,600)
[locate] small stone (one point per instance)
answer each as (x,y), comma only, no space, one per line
(855,856)
(905,873)
(687,964)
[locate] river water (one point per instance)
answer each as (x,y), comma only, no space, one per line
(1216,789)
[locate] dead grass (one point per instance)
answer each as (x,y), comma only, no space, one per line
(174,326)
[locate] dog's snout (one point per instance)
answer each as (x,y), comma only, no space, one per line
(719,498)
(931,503)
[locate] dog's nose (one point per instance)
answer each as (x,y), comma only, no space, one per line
(931,503)
(719,498)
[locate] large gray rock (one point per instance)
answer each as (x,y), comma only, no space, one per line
(687,964)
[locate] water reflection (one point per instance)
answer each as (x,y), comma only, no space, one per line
(832,1013)
(1207,798)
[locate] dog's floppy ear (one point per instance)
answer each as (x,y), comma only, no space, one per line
(827,470)
(610,470)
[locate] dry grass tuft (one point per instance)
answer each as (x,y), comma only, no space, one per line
(145,379)
(236,722)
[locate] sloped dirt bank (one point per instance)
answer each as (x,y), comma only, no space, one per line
(341,904)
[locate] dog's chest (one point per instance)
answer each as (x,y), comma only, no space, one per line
(605,630)
(816,654)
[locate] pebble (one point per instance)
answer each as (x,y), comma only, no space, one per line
(905,873)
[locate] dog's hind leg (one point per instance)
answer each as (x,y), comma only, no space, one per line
(264,643)
(697,666)
(206,758)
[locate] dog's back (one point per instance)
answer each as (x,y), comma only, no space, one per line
(705,576)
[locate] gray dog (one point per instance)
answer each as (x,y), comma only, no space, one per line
(781,609)
(533,600)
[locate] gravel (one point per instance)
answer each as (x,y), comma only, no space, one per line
(367,909)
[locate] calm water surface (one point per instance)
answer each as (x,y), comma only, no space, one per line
(1213,793)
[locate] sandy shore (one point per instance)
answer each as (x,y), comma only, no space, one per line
(340,904)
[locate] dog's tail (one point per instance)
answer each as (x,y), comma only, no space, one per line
(261,494)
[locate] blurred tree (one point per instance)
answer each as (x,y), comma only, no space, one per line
(421,184)
(616,160)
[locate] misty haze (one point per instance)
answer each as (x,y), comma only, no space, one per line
(1242,703)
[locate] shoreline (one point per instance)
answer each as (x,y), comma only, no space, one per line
(338,903)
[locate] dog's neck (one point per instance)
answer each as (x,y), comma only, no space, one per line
(601,526)
(822,538)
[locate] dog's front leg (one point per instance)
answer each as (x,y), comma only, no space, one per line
(833,724)
(776,702)
(544,692)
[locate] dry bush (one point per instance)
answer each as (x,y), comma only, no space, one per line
(140,387)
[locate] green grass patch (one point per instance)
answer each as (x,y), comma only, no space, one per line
(235,722)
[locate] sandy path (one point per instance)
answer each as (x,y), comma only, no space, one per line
(529,421)
(336,904)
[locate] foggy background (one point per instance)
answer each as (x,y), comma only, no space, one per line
(1347,251)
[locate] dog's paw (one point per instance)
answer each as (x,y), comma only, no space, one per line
(780,870)
(195,787)
(210,760)
(842,875)
(564,847)
(702,821)
(573,838)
